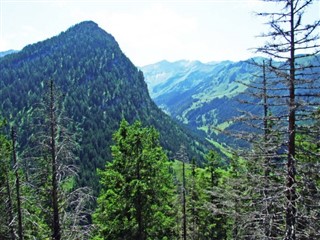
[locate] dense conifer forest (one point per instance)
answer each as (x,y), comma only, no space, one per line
(86,154)
(98,85)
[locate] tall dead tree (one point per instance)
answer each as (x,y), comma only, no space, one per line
(260,132)
(184,203)
(63,205)
(17,184)
(182,156)
(194,199)
(293,42)
(56,234)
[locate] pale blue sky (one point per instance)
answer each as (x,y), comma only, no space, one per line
(147,31)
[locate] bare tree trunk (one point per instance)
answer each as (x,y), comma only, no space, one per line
(291,192)
(293,41)
(194,232)
(53,127)
(184,215)
(182,156)
(141,234)
(212,181)
(267,160)
(16,171)
(10,209)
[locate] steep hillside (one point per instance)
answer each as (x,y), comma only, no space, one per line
(100,86)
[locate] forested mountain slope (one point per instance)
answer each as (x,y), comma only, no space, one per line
(100,86)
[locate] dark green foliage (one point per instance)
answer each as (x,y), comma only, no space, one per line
(101,86)
(205,213)
(308,181)
(136,201)
(216,222)
(7,230)
(21,215)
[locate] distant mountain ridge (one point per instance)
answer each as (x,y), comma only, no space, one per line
(4,53)
(182,87)
(204,96)
(165,70)
(100,86)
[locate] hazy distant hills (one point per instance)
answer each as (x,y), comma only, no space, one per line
(181,86)
(198,94)
(100,87)
(4,53)
(204,96)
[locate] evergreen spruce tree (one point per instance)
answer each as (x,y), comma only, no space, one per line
(213,196)
(7,223)
(137,190)
(194,202)
(217,218)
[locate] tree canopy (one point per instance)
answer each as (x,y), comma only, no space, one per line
(136,200)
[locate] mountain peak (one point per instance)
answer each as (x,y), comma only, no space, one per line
(101,86)
(88,29)
(82,40)
(85,25)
